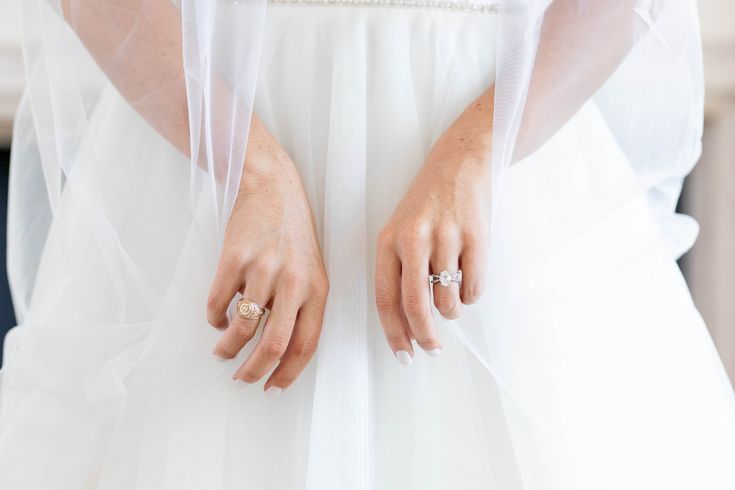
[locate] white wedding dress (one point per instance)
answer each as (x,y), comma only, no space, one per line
(584,366)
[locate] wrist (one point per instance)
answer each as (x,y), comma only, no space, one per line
(462,154)
(266,162)
(467,143)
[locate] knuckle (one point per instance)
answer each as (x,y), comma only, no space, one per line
(385,303)
(417,231)
(445,303)
(385,237)
(293,278)
(233,261)
(414,306)
(410,248)
(446,232)
(215,304)
(276,346)
(306,349)
(478,236)
(321,288)
(473,291)
(451,312)
(263,266)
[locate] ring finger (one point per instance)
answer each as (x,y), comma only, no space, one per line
(273,343)
(241,330)
(446,298)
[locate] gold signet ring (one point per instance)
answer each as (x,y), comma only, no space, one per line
(249,309)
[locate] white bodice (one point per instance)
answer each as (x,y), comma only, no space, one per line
(459,5)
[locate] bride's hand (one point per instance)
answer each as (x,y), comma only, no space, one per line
(441,224)
(271,255)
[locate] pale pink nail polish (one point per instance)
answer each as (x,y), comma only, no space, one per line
(434,352)
(273,391)
(404,357)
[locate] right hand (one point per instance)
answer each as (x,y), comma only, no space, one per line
(271,255)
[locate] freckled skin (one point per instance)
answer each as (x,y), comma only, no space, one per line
(441,224)
(271,253)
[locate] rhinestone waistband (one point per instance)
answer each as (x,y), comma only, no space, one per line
(458,5)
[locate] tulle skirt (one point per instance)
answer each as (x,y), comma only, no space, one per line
(584,366)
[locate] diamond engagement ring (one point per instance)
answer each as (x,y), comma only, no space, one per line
(249,309)
(445,278)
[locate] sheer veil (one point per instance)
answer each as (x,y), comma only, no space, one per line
(190,70)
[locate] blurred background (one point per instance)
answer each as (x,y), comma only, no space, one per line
(709,193)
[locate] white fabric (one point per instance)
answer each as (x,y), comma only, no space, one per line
(585,365)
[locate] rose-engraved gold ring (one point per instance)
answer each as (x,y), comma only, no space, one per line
(249,309)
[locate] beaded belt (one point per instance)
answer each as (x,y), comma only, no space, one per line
(458,5)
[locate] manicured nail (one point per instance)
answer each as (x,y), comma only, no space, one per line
(273,391)
(404,357)
(434,352)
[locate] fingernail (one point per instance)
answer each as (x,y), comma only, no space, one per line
(273,391)
(404,357)
(434,352)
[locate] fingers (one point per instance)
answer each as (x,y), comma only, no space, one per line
(301,348)
(416,299)
(445,257)
(274,340)
(296,297)
(388,302)
(227,280)
(403,295)
(240,330)
(472,261)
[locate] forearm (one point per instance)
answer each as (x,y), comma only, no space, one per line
(577,53)
(470,135)
(138,44)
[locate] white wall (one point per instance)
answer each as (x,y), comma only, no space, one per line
(11,67)
(718,37)
(710,191)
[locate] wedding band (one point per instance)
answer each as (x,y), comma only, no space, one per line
(445,278)
(249,309)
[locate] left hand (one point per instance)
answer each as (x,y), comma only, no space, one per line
(441,224)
